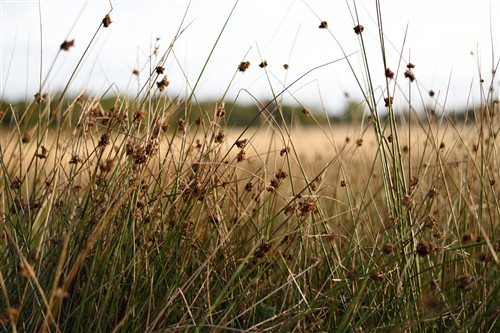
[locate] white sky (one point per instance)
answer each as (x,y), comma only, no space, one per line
(440,38)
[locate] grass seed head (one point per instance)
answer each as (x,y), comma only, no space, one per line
(377,276)
(281,174)
(388,248)
(306,112)
(67,44)
(432,193)
(43,153)
(358,29)
(424,248)
(484,256)
(284,151)
(323,25)
(16,183)
(249,187)
(389,74)
(465,282)
(388,101)
(26,137)
(466,238)
(181,123)
(240,156)
(243,66)
(242,143)
(106,21)
(409,75)
(163,83)
(104,140)
(430,222)
(159,70)
(263,64)
(219,138)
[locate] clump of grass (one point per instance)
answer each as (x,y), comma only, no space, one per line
(135,218)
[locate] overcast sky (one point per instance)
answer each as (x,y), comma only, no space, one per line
(448,41)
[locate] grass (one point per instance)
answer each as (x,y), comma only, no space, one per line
(126,222)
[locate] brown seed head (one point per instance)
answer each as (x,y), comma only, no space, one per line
(75,159)
(391,222)
(431,93)
(409,75)
(16,183)
(433,192)
(284,151)
(106,21)
(407,201)
(159,69)
(281,174)
(388,248)
(307,207)
(323,25)
(424,248)
(484,256)
(388,73)
(410,65)
(388,101)
(243,66)
(466,238)
(359,29)
(138,116)
(242,143)
(465,282)
(290,209)
(67,44)
(306,111)
(219,138)
(430,221)
(181,123)
(26,137)
(240,156)
(285,66)
(163,83)
(249,187)
(104,140)
(263,64)
(377,276)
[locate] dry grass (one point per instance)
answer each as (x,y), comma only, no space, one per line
(123,222)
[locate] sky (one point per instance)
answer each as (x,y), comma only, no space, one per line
(451,43)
